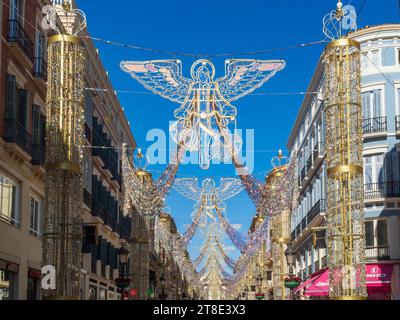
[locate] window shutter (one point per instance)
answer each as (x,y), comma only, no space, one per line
(382,236)
(366,105)
(11,112)
(36,125)
(43,129)
(377,103)
(22,107)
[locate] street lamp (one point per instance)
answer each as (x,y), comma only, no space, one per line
(259,280)
(163,295)
(290,259)
(123,281)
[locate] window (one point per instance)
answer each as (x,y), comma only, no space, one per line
(372,104)
(17,102)
(370,59)
(8,201)
(16,10)
(369,233)
(376,233)
(374,171)
(39,44)
(8,283)
(35,216)
(32,289)
(381,230)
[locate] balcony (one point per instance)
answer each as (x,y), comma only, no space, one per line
(324,262)
(38,155)
(304,223)
(374,125)
(298,230)
(17,35)
(93,265)
(377,253)
(309,163)
(315,210)
(40,68)
(87,198)
(318,151)
(303,174)
(88,133)
(397,120)
(380,190)
(16,133)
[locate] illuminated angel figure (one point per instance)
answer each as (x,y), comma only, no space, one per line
(206,120)
(209,198)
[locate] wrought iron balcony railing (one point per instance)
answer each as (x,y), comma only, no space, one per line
(304,223)
(374,125)
(390,189)
(17,34)
(88,133)
(377,253)
(316,209)
(298,230)
(87,198)
(309,163)
(303,174)
(40,68)
(318,150)
(16,133)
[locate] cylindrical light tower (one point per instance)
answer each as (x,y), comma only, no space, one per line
(280,236)
(62,228)
(345,208)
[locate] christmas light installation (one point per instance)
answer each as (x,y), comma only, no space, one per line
(172,244)
(208,197)
(62,223)
(140,191)
(344,141)
(206,110)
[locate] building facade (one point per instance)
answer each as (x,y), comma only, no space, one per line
(380,87)
(22,154)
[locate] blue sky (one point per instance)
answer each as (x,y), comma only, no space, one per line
(220,26)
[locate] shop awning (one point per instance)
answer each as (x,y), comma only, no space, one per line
(379,274)
(320,286)
(308,281)
(378,278)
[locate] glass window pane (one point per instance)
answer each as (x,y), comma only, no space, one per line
(369,233)
(382,233)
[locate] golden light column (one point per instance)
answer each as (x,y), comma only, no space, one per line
(62,228)
(345,210)
(280,237)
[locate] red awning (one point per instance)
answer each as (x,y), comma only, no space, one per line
(320,286)
(378,277)
(308,281)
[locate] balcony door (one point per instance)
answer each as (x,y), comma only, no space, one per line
(374,175)
(16,10)
(373,115)
(376,240)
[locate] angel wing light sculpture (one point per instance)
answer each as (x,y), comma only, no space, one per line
(209,198)
(206,119)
